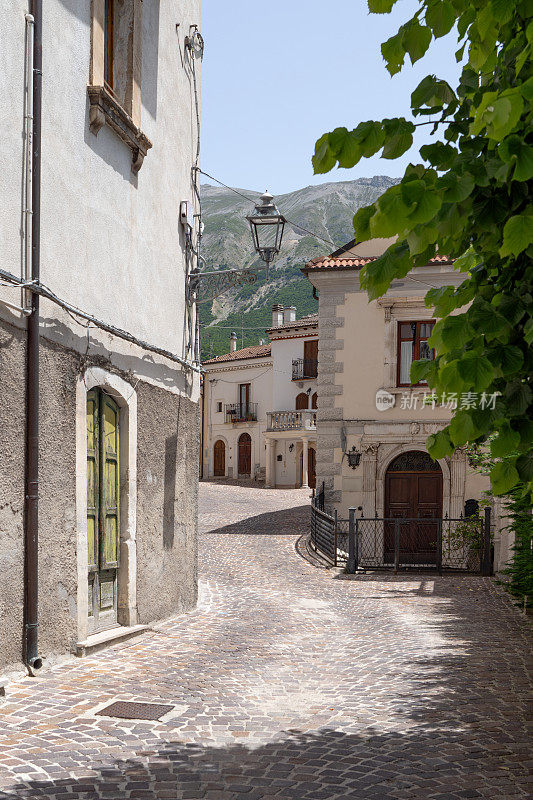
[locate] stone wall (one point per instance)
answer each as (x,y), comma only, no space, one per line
(167,475)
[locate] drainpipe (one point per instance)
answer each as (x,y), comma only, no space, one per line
(31,517)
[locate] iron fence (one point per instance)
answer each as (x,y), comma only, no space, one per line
(241,412)
(304,368)
(442,544)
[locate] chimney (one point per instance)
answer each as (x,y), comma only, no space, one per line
(289,314)
(277,316)
(233,342)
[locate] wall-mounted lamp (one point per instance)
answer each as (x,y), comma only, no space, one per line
(309,391)
(267,226)
(291,447)
(354,457)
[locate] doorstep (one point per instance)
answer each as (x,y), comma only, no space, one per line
(97,641)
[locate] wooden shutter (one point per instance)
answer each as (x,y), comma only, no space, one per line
(93,429)
(109,481)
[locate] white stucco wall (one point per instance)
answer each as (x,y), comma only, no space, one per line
(111,242)
(222,386)
(284,350)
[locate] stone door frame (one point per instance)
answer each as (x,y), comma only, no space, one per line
(126,398)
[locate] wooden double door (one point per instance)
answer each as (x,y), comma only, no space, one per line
(219,459)
(245,454)
(413,491)
(103,509)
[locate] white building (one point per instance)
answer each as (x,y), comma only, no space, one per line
(119,137)
(367,404)
(259,406)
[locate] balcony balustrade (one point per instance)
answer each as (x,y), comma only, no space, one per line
(291,420)
(303,368)
(241,412)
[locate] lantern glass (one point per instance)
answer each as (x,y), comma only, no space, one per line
(267,225)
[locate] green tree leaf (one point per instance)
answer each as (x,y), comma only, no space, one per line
(513,150)
(440,18)
(393,53)
(394,263)
(323,159)
(361,223)
(507,357)
(380,6)
(524,465)
(462,428)
(423,370)
(505,443)
(454,333)
(476,371)
(416,39)
(503,476)
(517,234)
(439,445)
(398,137)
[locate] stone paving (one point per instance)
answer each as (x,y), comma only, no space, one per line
(288,681)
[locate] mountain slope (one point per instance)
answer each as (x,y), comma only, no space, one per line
(327,210)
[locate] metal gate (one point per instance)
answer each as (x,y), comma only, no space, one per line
(440,544)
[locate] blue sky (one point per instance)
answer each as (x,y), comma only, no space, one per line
(278,73)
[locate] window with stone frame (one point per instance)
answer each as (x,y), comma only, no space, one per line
(413,346)
(115,73)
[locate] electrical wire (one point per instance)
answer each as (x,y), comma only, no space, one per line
(45,291)
(250,200)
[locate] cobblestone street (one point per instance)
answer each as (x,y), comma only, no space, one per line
(288,681)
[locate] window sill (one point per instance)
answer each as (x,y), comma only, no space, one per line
(105,110)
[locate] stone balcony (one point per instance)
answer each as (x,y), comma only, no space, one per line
(304,420)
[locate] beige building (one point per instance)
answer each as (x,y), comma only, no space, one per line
(119,414)
(367,405)
(259,406)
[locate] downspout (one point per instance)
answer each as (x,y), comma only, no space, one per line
(31,517)
(202,423)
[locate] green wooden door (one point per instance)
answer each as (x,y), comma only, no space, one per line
(103,511)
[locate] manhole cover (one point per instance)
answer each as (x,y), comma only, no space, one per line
(124,710)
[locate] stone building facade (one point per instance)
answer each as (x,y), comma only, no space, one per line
(259,406)
(366,401)
(119,425)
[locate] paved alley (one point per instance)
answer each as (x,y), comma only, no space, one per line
(288,681)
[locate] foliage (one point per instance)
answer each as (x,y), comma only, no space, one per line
(518,510)
(470,200)
(520,570)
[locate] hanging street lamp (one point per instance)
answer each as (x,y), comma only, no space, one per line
(267,225)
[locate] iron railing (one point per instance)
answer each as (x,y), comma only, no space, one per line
(304,368)
(442,544)
(241,412)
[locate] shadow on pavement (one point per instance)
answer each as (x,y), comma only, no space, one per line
(286,522)
(440,764)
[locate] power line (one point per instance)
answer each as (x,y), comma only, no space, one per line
(250,200)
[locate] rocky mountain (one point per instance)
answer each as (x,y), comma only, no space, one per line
(327,210)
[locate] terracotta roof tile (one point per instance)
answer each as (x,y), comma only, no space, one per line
(304,322)
(328,262)
(256,351)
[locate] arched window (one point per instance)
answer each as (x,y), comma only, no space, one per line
(302,401)
(314,400)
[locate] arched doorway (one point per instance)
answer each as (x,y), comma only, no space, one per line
(302,401)
(220,459)
(245,454)
(413,491)
(103,511)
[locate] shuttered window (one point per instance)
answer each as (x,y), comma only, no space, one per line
(103,486)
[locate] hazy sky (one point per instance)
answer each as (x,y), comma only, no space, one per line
(278,73)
